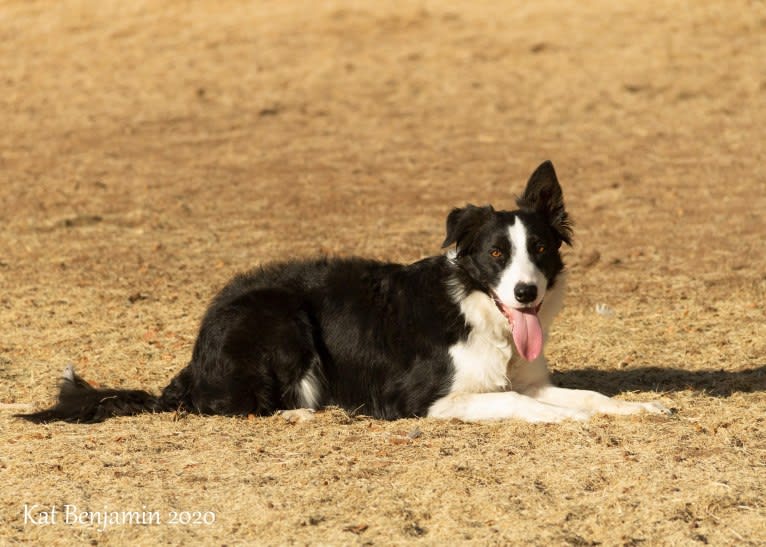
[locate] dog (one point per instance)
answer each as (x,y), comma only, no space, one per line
(458,335)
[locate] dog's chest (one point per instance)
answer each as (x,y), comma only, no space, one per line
(481,360)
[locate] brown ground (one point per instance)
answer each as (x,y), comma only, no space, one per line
(151,150)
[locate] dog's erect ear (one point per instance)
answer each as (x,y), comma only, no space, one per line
(543,194)
(463,224)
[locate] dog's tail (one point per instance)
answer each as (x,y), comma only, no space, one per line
(79,402)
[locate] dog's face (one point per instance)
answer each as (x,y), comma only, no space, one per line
(514,256)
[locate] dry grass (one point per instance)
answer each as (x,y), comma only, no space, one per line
(149,152)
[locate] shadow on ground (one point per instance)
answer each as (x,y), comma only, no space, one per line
(718,383)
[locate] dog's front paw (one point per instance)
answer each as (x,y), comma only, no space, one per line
(654,407)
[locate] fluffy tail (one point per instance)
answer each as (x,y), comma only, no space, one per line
(79,402)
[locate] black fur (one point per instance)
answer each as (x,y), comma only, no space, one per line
(80,402)
(373,337)
(543,195)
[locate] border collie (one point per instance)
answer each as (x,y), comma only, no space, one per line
(458,335)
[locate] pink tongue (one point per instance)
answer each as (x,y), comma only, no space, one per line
(527,333)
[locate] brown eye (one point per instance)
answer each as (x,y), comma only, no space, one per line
(540,249)
(496,253)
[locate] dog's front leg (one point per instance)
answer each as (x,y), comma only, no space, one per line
(474,407)
(591,401)
(533,380)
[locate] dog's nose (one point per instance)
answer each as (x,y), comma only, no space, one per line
(525,292)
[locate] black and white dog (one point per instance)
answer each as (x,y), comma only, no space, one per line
(458,335)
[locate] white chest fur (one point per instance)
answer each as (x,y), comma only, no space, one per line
(481,361)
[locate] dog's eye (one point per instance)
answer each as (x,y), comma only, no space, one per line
(496,253)
(540,249)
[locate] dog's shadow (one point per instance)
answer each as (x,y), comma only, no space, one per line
(717,383)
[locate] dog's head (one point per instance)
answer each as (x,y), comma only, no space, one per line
(514,256)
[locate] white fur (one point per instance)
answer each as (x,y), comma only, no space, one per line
(592,401)
(68,373)
(481,361)
(309,391)
(521,269)
(298,415)
(497,406)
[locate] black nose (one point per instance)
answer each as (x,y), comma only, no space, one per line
(525,292)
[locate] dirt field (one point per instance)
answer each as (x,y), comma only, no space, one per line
(151,150)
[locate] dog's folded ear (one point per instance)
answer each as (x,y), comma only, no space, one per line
(463,225)
(543,194)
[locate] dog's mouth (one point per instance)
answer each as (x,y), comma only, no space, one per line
(525,327)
